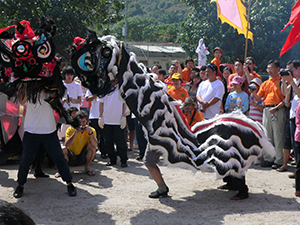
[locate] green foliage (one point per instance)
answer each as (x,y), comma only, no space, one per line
(71,17)
(147,29)
(267,19)
(156,20)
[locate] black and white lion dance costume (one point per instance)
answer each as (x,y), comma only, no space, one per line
(228,143)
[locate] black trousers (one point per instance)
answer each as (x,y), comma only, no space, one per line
(113,134)
(238,184)
(100,136)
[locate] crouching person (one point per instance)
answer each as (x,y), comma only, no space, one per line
(81,143)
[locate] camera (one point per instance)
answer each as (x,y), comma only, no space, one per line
(285,72)
(82,128)
(252,87)
(173,62)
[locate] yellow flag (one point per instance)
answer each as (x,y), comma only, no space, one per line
(234,13)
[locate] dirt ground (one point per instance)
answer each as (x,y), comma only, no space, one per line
(120,196)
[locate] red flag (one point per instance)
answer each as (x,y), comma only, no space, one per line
(294,35)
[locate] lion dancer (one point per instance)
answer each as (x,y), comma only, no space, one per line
(228,143)
(34,78)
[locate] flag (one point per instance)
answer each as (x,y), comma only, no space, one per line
(234,13)
(294,35)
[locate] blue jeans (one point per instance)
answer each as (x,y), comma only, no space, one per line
(31,143)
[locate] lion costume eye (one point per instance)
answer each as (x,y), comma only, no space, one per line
(44,50)
(85,62)
(5,58)
(106,52)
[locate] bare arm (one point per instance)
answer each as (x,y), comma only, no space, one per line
(90,98)
(70,141)
(124,110)
(247,73)
(295,87)
(75,101)
(256,96)
(101,109)
(179,70)
(93,140)
(213,101)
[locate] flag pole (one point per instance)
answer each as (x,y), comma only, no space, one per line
(248,22)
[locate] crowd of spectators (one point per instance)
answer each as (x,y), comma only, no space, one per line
(203,93)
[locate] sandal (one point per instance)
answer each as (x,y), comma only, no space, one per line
(90,172)
(281,169)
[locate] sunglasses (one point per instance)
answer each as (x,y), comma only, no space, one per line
(210,66)
(249,62)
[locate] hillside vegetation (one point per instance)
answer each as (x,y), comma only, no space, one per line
(156,20)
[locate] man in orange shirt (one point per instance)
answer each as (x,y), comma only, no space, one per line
(274,113)
(186,72)
(191,114)
(178,92)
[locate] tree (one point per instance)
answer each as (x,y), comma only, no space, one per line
(71,17)
(267,19)
(147,29)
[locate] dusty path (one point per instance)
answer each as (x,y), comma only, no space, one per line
(120,196)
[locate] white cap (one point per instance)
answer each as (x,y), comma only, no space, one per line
(256,81)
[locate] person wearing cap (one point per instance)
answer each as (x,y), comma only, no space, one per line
(178,92)
(274,116)
(210,93)
(237,100)
(217,52)
(191,114)
(186,72)
(256,106)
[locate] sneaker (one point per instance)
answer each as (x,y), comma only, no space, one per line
(266,164)
(71,190)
